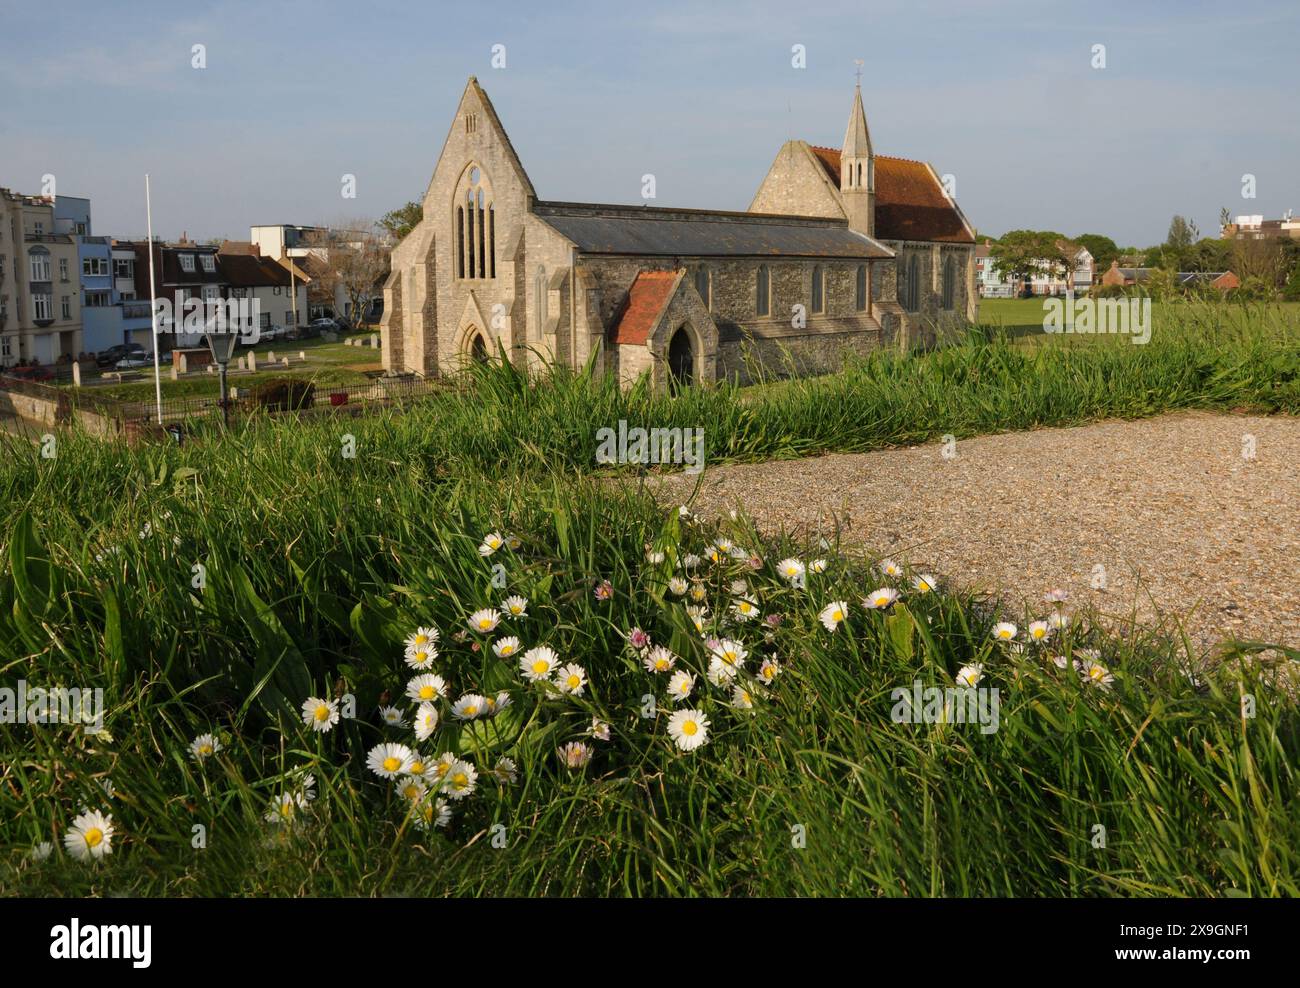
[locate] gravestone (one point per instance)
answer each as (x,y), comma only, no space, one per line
(302,354)
(252,362)
(174,372)
(284,362)
(76,374)
(270,356)
(184,366)
(241,363)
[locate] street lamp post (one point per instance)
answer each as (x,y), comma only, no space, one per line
(222,345)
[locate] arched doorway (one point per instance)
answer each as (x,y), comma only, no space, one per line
(478,349)
(681,359)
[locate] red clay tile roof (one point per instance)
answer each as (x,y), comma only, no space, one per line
(645,301)
(910,204)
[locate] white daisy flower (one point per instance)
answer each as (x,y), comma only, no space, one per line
(677,586)
(680,685)
(490,544)
(741,699)
(443,765)
(791,569)
(514,541)
(688,728)
(320,714)
(730,653)
(720,674)
(516,606)
(41,851)
(1039,631)
(571,679)
(389,760)
(746,608)
(392,717)
(833,614)
(697,616)
(485,620)
(537,663)
(426,688)
(422,639)
(505,771)
(499,702)
(422,657)
(461,780)
(1005,631)
(1056,596)
(420,767)
(426,721)
(412,788)
(817,566)
(469,706)
(924,583)
(970,675)
(506,647)
(654,558)
(880,598)
(204,746)
(284,808)
(1059,620)
(890,568)
(599,729)
(1096,674)
(431,813)
(90,837)
(699,592)
(575,754)
(768,670)
(659,659)
(690,561)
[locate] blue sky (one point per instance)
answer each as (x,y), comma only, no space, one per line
(1001,95)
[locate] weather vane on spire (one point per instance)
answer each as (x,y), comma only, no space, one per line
(858,72)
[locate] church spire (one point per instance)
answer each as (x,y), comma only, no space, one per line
(858,167)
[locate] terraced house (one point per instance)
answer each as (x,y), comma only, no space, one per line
(40,288)
(841,252)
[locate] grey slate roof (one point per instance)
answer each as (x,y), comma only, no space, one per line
(647,231)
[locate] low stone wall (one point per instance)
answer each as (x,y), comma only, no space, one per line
(50,411)
(792,356)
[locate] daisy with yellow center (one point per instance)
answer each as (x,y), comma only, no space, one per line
(389,760)
(1039,631)
(461,780)
(969,676)
(426,721)
(890,568)
(490,544)
(680,685)
(791,569)
(320,714)
(421,658)
(659,659)
(689,729)
(469,706)
(505,772)
(485,620)
(443,765)
(392,717)
(571,679)
(697,616)
(431,813)
(817,566)
(426,688)
(506,647)
(90,836)
(1096,674)
(833,614)
(284,808)
(422,639)
(880,598)
(536,664)
(575,754)
(412,789)
(768,670)
(924,583)
(516,606)
(745,608)
(741,699)
(204,746)
(1005,631)
(677,586)
(730,653)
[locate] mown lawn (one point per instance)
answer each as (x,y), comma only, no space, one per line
(216,587)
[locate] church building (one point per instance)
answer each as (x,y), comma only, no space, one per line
(841,252)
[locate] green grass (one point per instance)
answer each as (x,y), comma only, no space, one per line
(316,565)
(329,365)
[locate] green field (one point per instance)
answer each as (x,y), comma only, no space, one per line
(214,587)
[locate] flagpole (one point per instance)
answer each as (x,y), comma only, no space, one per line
(153,294)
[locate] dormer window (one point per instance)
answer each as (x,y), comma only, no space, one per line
(209,265)
(187,262)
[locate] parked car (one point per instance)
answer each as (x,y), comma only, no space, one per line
(323,325)
(119,351)
(135,361)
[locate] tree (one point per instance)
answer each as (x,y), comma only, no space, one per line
(400,222)
(1102,249)
(1021,254)
(1182,233)
(1261,261)
(351,258)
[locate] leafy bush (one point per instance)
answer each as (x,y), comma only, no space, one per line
(284,394)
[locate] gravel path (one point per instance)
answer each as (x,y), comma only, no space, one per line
(1183,523)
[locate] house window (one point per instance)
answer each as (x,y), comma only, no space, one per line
(124,268)
(476,252)
(39,228)
(63,269)
(211,292)
(860,288)
(763,301)
(81,229)
(67,306)
(91,267)
(187,262)
(818,289)
(41,307)
(209,265)
(97,300)
(702,286)
(949,282)
(40,264)
(6,345)
(288,318)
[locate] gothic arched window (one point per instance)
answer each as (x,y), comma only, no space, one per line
(476,249)
(818,289)
(702,286)
(949,282)
(860,288)
(763,302)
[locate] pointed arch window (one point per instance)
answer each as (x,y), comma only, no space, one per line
(763,302)
(476,249)
(860,288)
(818,289)
(702,286)
(949,282)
